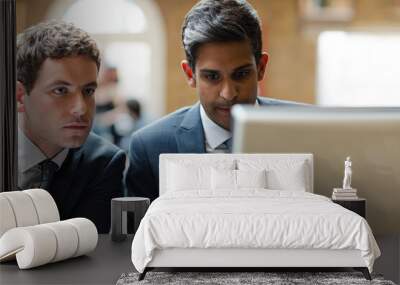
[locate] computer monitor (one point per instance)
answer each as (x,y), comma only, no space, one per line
(370,136)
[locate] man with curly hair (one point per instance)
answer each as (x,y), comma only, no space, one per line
(57,68)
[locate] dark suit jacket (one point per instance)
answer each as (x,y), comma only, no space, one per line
(179,132)
(89,177)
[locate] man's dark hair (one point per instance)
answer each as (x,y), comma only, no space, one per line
(220,21)
(134,107)
(55,40)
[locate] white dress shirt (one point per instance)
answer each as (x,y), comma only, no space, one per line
(214,134)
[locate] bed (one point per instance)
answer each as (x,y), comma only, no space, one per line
(246,211)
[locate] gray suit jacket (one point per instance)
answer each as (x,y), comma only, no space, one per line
(179,132)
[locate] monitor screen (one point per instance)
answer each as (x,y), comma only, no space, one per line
(370,136)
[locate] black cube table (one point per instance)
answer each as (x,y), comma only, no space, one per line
(124,211)
(357,205)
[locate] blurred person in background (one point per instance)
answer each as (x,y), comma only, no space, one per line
(108,103)
(129,122)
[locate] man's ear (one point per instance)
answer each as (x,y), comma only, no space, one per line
(20,94)
(262,66)
(190,77)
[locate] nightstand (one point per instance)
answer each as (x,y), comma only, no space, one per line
(357,205)
(126,214)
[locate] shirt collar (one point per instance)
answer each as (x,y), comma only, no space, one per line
(60,157)
(214,134)
(30,155)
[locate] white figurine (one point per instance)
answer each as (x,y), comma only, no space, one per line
(347,174)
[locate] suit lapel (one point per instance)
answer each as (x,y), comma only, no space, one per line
(190,134)
(62,187)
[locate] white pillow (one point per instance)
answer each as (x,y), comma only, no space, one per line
(251,178)
(183,178)
(223,179)
(184,175)
(281,174)
(236,179)
(292,179)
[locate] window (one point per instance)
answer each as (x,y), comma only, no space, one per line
(107,17)
(358,69)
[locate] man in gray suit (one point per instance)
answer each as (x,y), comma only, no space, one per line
(224,62)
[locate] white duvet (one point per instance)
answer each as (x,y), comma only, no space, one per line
(250,219)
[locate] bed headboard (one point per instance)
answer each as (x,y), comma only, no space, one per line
(215,158)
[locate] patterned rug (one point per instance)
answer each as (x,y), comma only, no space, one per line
(269,278)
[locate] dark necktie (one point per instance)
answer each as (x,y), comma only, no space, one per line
(38,176)
(48,168)
(226,146)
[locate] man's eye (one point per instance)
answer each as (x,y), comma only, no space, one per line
(212,76)
(88,91)
(60,90)
(241,74)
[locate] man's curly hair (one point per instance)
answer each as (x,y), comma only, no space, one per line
(55,40)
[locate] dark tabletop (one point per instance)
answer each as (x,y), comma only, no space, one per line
(104,265)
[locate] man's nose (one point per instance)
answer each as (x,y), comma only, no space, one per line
(229,90)
(79,105)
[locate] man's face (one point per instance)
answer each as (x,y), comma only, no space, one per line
(225,74)
(58,112)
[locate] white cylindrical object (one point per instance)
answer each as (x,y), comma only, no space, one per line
(23,208)
(45,205)
(33,246)
(67,240)
(87,234)
(7,217)
(40,244)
